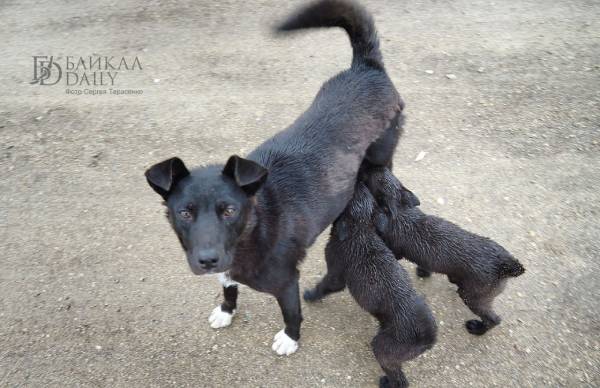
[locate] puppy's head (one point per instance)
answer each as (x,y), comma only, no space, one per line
(209,208)
(391,196)
(358,213)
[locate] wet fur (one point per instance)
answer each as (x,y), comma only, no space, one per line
(312,167)
(476,264)
(358,258)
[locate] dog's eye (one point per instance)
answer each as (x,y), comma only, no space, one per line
(185,214)
(229,211)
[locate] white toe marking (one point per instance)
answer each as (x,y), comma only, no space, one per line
(225,280)
(219,318)
(283,344)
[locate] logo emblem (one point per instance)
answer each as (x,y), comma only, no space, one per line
(45,70)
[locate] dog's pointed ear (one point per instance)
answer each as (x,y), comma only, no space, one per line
(164,176)
(408,198)
(247,174)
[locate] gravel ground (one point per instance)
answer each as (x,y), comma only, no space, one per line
(503,98)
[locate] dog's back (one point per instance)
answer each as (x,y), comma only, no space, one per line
(313,163)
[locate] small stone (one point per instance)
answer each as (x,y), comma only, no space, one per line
(98,347)
(156,80)
(450,76)
(420,156)
(441,201)
(429,72)
(142,279)
(39,118)
(481,70)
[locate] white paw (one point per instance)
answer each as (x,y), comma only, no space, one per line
(219,318)
(283,344)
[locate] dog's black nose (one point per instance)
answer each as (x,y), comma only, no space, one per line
(208,259)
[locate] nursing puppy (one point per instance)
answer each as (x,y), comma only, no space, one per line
(252,219)
(477,265)
(357,257)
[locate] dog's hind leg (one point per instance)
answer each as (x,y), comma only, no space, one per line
(381,151)
(480,305)
(390,354)
(223,314)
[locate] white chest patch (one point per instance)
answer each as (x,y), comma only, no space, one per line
(219,318)
(225,280)
(283,344)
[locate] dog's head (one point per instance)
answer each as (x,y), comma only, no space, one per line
(391,196)
(209,208)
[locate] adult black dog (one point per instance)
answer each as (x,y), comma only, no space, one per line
(253,219)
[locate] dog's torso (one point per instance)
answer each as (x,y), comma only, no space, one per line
(441,246)
(313,163)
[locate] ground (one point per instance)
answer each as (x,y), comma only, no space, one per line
(502,99)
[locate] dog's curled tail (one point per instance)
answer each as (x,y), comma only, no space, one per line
(348,15)
(510,267)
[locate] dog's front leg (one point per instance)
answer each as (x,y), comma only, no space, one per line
(286,341)
(223,314)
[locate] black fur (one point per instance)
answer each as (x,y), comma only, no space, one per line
(357,257)
(255,217)
(476,264)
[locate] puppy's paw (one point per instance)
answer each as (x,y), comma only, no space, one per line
(283,344)
(219,318)
(311,295)
(476,327)
(384,382)
(423,273)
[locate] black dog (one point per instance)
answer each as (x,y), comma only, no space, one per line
(356,256)
(253,219)
(476,264)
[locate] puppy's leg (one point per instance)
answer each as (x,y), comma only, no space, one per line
(423,273)
(329,284)
(333,281)
(390,354)
(223,314)
(286,341)
(480,305)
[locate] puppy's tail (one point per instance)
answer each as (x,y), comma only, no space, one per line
(510,267)
(348,15)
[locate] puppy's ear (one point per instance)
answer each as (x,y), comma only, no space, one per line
(164,176)
(409,199)
(341,229)
(247,174)
(380,220)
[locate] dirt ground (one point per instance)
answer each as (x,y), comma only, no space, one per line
(503,97)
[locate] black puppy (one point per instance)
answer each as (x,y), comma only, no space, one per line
(357,257)
(253,219)
(476,264)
